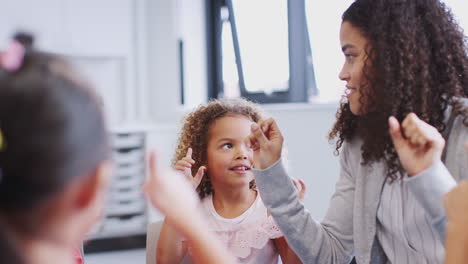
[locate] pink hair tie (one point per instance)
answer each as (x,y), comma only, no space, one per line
(12,58)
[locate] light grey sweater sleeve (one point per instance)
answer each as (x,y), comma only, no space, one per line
(328,242)
(429,188)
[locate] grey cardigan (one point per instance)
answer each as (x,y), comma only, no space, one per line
(349,227)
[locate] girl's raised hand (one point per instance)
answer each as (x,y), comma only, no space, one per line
(418,144)
(185,166)
(266,141)
(301,188)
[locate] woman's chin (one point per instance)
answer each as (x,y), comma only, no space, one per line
(356,110)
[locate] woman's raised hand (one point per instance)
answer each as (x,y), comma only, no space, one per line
(267,142)
(418,144)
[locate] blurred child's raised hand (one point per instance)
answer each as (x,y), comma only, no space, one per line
(418,144)
(456,204)
(185,166)
(266,141)
(301,188)
(170,192)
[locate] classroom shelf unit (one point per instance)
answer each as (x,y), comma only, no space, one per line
(126,213)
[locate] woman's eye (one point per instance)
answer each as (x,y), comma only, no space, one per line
(349,57)
(227,146)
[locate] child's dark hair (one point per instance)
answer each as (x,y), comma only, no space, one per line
(9,250)
(195,128)
(52,131)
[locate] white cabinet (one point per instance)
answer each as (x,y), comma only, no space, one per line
(126,211)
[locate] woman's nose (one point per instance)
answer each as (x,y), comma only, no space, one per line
(343,75)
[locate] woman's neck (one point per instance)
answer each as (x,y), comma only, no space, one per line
(233,202)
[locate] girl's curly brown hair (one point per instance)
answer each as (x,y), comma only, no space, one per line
(417,62)
(196,125)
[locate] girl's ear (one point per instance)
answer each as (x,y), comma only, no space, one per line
(92,187)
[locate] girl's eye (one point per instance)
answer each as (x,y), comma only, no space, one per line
(227,146)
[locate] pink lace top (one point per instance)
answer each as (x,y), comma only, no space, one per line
(248,236)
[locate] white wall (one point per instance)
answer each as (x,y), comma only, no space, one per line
(310,156)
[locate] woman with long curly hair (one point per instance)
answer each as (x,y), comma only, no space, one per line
(400,136)
(214,155)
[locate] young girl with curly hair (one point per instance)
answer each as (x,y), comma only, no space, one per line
(405,61)
(213,147)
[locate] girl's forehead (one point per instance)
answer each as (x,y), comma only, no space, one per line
(230,121)
(231,125)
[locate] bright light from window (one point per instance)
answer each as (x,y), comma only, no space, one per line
(262,28)
(324,21)
(459,9)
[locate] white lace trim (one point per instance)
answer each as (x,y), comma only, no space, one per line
(244,239)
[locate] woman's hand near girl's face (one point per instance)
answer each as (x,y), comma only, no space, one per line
(418,144)
(266,141)
(185,166)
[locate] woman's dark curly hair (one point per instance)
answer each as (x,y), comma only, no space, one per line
(195,132)
(417,62)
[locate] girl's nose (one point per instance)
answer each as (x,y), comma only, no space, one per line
(242,153)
